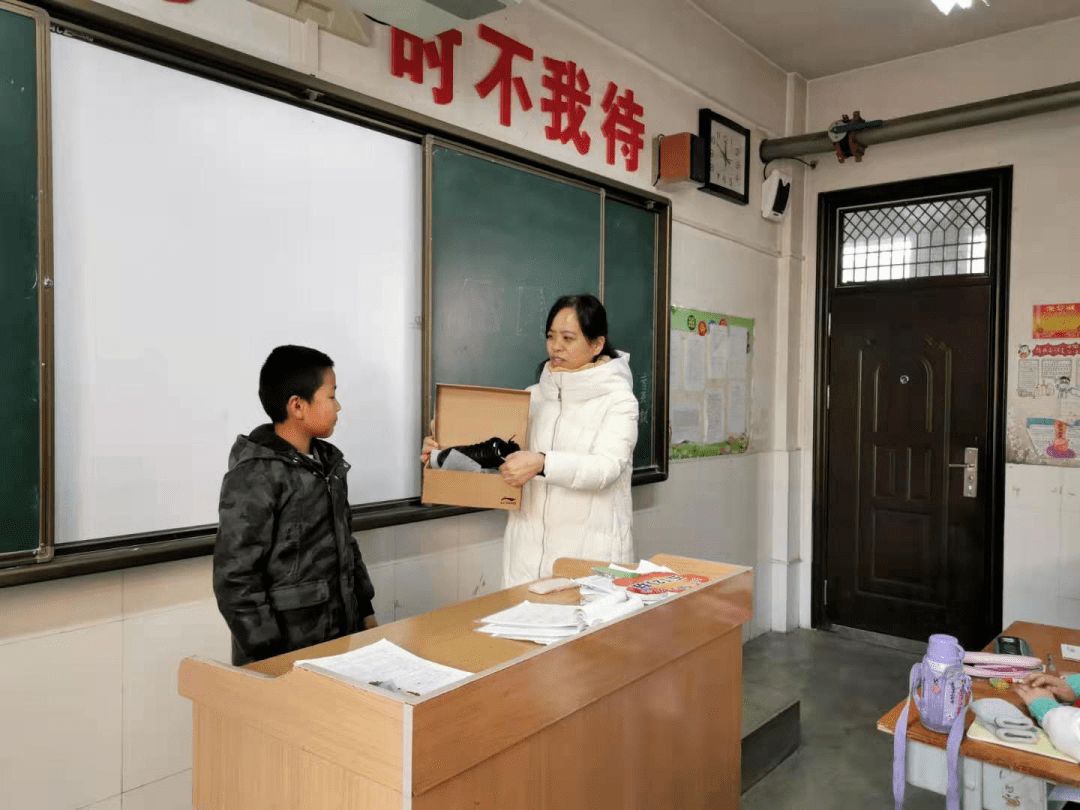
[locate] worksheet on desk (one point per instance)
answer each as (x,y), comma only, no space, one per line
(386,663)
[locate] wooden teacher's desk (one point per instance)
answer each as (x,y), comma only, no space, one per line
(993,776)
(639,713)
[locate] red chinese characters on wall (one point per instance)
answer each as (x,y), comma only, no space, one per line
(566,101)
(408,53)
(623,124)
(569,96)
(502,75)
(1057,350)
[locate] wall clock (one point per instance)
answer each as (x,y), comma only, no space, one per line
(728,146)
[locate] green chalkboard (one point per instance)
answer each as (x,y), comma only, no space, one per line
(505,243)
(629,291)
(20,397)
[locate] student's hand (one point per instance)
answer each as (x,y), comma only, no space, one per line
(430,445)
(1032,693)
(521,467)
(1055,686)
(370,622)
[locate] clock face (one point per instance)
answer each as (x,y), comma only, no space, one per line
(728,145)
(727,159)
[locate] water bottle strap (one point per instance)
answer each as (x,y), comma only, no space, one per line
(899,772)
(952,757)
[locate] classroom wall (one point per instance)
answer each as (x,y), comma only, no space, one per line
(1042,541)
(113,733)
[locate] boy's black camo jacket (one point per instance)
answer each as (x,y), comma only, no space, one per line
(287,572)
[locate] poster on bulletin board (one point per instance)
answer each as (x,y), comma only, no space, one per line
(709,372)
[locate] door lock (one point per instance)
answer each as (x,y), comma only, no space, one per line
(971,471)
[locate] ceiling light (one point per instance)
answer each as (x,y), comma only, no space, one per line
(945,6)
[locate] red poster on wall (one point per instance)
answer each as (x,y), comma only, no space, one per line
(1056,321)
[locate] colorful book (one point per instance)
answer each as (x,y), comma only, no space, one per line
(661,583)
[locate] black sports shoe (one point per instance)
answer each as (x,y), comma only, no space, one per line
(488,454)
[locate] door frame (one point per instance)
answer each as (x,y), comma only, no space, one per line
(998,182)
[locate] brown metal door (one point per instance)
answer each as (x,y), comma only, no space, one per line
(912,388)
(906,547)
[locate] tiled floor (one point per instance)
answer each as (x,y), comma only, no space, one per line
(843,686)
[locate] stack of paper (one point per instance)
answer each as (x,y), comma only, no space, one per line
(546,624)
(387,666)
(598,585)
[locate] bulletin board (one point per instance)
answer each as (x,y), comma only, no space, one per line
(710,383)
(1044,425)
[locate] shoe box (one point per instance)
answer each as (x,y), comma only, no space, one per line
(467,415)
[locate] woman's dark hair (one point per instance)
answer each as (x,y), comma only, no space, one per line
(591,316)
(290,371)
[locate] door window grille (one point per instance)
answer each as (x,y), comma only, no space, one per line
(914,240)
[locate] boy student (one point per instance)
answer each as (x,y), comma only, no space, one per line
(287,572)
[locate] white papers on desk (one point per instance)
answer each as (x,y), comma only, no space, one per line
(531,621)
(546,624)
(386,665)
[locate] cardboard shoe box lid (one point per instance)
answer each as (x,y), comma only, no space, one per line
(467,414)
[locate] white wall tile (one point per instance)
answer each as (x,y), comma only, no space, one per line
(425,583)
(426,537)
(382,577)
(1033,486)
(62,699)
(157,721)
(377,545)
(479,570)
(170,793)
(1070,496)
(1068,571)
(481,527)
(152,588)
(112,803)
(27,611)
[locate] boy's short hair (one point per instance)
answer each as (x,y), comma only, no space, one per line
(289,371)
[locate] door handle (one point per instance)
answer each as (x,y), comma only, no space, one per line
(971,471)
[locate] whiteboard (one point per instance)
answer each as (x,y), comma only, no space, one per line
(197,227)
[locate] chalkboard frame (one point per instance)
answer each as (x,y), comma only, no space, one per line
(45,543)
(132,35)
(657,469)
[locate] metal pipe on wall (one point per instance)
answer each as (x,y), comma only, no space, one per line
(1004,108)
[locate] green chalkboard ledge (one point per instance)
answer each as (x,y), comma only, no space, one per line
(130,551)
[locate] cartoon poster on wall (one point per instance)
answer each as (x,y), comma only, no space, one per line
(710,383)
(1044,423)
(1056,321)
(1055,438)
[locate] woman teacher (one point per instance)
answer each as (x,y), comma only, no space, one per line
(575,474)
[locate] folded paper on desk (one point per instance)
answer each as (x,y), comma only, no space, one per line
(977,731)
(387,666)
(546,624)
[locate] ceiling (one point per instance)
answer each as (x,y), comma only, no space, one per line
(817,38)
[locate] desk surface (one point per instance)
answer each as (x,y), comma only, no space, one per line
(1043,639)
(448,636)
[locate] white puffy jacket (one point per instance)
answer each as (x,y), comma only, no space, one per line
(1062,726)
(585,421)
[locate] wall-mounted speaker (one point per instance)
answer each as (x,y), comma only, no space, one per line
(775,196)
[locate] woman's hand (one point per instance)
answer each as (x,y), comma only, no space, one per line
(1031,693)
(430,445)
(521,467)
(1052,685)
